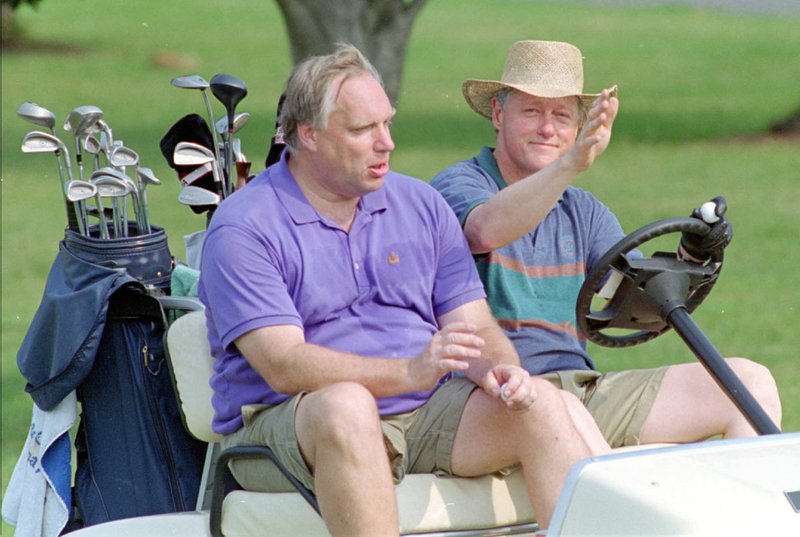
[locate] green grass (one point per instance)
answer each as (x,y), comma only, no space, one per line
(696,87)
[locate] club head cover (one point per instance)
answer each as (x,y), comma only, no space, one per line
(189,128)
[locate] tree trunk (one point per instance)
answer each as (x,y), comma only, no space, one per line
(789,125)
(8,27)
(378,28)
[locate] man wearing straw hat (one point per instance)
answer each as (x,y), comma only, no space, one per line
(535,237)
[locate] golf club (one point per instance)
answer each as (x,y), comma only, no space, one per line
(196,174)
(230,91)
(121,157)
(192,154)
(145,177)
(77,191)
(38,115)
(115,188)
(200,83)
(92,146)
(82,120)
(194,195)
(106,136)
(239,121)
(42,142)
(134,191)
(41,116)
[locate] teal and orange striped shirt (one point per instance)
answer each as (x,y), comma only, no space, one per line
(532,284)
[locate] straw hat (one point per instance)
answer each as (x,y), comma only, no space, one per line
(541,68)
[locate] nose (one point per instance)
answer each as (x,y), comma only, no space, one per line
(383,139)
(546,126)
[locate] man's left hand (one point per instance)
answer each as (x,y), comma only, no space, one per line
(700,248)
(512,385)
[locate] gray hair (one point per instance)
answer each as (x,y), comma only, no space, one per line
(504,93)
(311,90)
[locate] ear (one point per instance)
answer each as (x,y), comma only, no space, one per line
(307,136)
(497,113)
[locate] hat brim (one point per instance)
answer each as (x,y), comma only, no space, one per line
(479,93)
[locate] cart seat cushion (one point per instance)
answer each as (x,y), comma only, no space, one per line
(425,502)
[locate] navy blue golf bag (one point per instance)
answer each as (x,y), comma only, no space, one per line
(134,456)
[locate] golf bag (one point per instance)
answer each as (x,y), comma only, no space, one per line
(134,456)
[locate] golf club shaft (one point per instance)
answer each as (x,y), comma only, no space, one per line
(210,111)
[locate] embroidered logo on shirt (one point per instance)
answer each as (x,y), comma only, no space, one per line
(567,245)
(393,258)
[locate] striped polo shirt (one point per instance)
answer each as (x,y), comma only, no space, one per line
(532,284)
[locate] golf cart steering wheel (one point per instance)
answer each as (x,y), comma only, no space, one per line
(640,293)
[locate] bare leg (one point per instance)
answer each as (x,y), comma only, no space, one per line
(690,406)
(339,432)
(544,440)
(585,424)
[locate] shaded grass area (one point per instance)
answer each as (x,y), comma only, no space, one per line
(697,88)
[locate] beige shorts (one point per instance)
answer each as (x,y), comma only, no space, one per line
(420,441)
(619,401)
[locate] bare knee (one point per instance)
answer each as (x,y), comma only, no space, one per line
(553,407)
(548,395)
(759,381)
(340,416)
(576,409)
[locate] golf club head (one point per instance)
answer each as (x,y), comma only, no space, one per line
(147,176)
(79,190)
(38,115)
(229,90)
(238,156)
(83,119)
(110,187)
(91,144)
(190,82)
(196,196)
(192,154)
(42,142)
(106,136)
(121,156)
(239,121)
(108,171)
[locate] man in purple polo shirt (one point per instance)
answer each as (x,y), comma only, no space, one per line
(340,299)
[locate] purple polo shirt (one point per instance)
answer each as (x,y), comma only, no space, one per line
(270,259)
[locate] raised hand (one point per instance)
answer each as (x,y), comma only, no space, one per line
(595,134)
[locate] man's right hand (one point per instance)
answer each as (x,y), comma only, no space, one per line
(450,349)
(595,135)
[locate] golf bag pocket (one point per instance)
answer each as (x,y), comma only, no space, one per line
(146,258)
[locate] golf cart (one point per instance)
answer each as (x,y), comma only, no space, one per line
(720,487)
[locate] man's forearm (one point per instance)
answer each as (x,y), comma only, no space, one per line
(497,350)
(518,208)
(300,366)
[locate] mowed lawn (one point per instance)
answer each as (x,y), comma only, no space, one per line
(698,90)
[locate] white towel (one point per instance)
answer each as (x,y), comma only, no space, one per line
(194,246)
(38,497)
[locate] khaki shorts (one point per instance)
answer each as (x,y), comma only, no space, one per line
(619,402)
(420,441)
